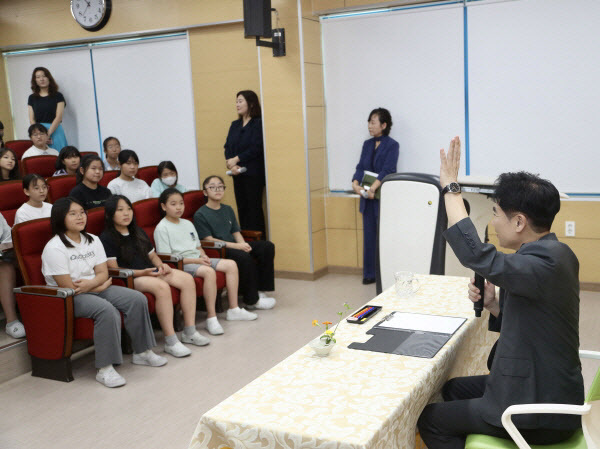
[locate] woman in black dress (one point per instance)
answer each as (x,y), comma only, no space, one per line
(244,150)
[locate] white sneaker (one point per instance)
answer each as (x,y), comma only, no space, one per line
(263,304)
(16,330)
(239,314)
(214,327)
(149,358)
(177,350)
(110,378)
(262,295)
(196,339)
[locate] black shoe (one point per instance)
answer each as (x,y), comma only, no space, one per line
(367,281)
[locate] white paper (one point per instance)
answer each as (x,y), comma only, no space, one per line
(424,323)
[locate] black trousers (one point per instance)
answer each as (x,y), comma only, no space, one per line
(257,270)
(249,198)
(446,425)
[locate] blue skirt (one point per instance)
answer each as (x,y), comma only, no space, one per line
(59,140)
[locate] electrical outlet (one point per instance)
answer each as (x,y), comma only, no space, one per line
(569,228)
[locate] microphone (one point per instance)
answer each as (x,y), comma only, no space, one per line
(241,170)
(480,284)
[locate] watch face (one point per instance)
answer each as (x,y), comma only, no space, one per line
(454,187)
(89,14)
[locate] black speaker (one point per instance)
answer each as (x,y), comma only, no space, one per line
(257,18)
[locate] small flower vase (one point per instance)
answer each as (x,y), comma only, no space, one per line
(321,348)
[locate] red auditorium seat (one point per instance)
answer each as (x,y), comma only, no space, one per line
(85,153)
(11,198)
(41,165)
(48,312)
(193,200)
(60,186)
(148,174)
(19,146)
(148,216)
(108,177)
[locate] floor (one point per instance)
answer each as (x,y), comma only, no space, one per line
(160,407)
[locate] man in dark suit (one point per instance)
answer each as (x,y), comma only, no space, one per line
(536,357)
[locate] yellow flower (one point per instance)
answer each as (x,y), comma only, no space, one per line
(315,323)
(329,332)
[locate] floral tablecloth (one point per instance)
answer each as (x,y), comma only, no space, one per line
(352,399)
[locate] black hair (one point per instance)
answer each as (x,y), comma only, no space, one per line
(207,180)
(168,165)
(125,155)
(86,161)
(1,125)
(32,178)
(529,194)
(164,197)
(253,103)
(108,139)
(59,212)
(139,241)
(14,173)
(68,151)
(37,127)
(384,117)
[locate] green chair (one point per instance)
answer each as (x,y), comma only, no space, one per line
(588,437)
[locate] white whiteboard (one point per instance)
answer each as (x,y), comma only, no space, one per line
(409,62)
(142,89)
(534,74)
(145,99)
(71,69)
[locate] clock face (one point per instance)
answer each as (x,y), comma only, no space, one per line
(91,14)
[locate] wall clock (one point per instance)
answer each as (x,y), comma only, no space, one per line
(92,15)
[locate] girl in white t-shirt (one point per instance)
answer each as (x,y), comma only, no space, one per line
(175,235)
(36,189)
(14,327)
(75,259)
(127,184)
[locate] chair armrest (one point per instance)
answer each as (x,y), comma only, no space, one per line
(44,290)
(122,273)
(589,354)
(174,259)
(521,409)
(251,235)
(216,246)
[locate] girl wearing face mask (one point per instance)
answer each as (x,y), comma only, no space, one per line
(167,177)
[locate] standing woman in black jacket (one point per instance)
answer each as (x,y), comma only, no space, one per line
(244,149)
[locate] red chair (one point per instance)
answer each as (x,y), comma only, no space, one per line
(85,153)
(48,312)
(41,165)
(108,177)
(148,174)
(148,216)
(19,146)
(11,198)
(60,186)
(193,200)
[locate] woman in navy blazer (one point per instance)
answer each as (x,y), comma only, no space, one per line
(379,155)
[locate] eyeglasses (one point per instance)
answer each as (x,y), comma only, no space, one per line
(38,134)
(216,188)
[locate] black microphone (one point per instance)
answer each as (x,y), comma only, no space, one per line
(480,284)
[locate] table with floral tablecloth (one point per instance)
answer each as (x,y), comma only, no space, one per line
(352,399)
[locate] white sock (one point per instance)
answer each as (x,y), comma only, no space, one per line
(234,308)
(104,369)
(212,318)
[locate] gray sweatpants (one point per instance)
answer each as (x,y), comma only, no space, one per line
(104,309)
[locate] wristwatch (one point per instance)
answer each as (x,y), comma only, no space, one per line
(453,187)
